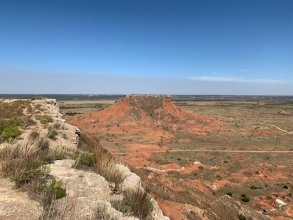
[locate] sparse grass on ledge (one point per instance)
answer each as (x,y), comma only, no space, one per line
(44,119)
(26,166)
(139,202)
(52,133)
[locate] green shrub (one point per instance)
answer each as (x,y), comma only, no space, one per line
(84,158)
(242,217)
(245,198)
(54,191)
(229,193)
(10,133)
(253,187)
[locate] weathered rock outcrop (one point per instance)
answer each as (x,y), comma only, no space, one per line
(89,195)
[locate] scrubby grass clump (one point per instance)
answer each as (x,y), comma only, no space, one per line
(52,133)
(139,202)
(25,166)
(44,119)
(11,109)
(34,135)
(83,158)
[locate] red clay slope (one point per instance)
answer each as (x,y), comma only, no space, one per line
(145,113)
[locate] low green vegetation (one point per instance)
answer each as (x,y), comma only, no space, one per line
(245,198)
(44,119)
(71,113)
(10,133)
(55,190)
(12,119)
(253,187)
(83,158)
(52,133)
(39,107)
(37,98)
(242,217)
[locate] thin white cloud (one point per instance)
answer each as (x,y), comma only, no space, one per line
(238,79)
(216,78)
(243,70)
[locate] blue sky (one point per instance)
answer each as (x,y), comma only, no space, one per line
(235,47)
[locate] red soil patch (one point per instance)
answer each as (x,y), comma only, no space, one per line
(289,210)
(172,209)
(196,184)
(262,132)
(171,166)
(145,148)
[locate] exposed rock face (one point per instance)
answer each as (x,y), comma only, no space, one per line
(131,180)
(88,194)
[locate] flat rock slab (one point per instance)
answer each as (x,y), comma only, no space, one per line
(15,204)
(84,190)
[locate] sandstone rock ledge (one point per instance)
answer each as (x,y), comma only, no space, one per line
(89,195)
